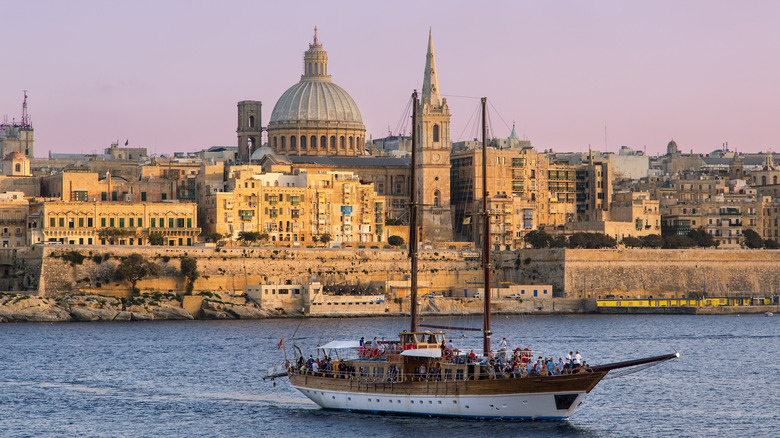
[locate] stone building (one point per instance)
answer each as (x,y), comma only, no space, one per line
(434,146)
(296,208)
(250,130)
(13,220)
(125,153)
(316,116)
(18,137)
(112,223)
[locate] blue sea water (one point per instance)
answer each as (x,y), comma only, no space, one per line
(203,378)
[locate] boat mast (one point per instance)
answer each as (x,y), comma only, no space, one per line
(485,236)
(413,217)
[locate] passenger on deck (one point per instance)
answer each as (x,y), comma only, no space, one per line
(502,345)
(559,367)
(570,361)
(577,360)
(423,372)
(449,345)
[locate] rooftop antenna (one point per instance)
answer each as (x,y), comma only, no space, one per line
(606,148)
(25,116)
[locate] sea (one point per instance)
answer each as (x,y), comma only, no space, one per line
(204,378)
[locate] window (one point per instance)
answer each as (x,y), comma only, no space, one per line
(89,222)
(111,222)
(189,222)
(80,195)
(251,121)
(103,222)
(284,142)
(140,222)
(18,167)
(323,142)
(52,222)
(81,222)
(104,196)
(113,196)
(292,142)
(170,222)
(132,222)
(164,196)
(313,142)
(303,142)
(435,133)
(62,222)
(143,196)
(342,145)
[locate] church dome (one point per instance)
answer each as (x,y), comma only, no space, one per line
(316,116)
(315,99)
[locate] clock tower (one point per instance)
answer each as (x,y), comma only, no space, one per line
(433,167)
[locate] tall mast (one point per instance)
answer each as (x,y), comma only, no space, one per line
(413,216)
(485,236)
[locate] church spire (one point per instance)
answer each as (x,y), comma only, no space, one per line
(430,90)
(315,61)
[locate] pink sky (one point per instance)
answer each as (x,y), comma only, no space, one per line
(167,74)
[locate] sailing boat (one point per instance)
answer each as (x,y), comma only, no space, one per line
(420,374)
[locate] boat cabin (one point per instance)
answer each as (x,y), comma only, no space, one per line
(420,340)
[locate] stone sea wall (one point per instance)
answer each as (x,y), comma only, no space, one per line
(580,274)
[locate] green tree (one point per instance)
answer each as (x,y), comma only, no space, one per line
(156,238)
(135,268)
(215,237)
(559,242)
(189,270)
(248,236)
(703,238)
(111,234)
(676,241)
(395,240)
(771,244)
(652,241)
(632,242)
(325,238)
(538,239)
(752,239)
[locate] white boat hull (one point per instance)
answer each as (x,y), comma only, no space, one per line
(506,406)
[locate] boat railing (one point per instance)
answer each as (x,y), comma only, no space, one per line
(480,371)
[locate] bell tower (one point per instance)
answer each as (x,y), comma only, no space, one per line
(434,146)
(250,131)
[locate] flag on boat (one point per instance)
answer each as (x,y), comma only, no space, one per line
(467,220)
(281,342)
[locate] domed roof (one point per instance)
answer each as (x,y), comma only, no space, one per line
(15,155)
(316,99)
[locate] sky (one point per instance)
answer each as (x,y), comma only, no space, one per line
(167,74)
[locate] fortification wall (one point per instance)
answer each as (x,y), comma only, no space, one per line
(230,269)
(581,273)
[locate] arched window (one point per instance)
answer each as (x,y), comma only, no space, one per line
(763,180)
(251,121)
(436,198)
(313,142)
(18,167)
(351,142)
(309,69)
(275,143)
(293,141)
(436,133)
(774,179)
(342,145)
(284,145)
(316,69)
(303,142)
(333,142)
(323,142)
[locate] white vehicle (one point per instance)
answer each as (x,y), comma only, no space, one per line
(514,296)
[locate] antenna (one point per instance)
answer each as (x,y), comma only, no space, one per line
(25,116)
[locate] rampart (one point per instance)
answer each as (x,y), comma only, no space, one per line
(621,273)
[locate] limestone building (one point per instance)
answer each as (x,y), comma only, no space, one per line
(13,220)
(296,208)
(316,116)
(18,137)
(112,223)
(250,130)
(434,146)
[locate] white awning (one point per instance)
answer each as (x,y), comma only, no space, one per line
(339,345)
(423,352)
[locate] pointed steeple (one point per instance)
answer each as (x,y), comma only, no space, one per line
(315,61)
(513,135)
(430,89)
